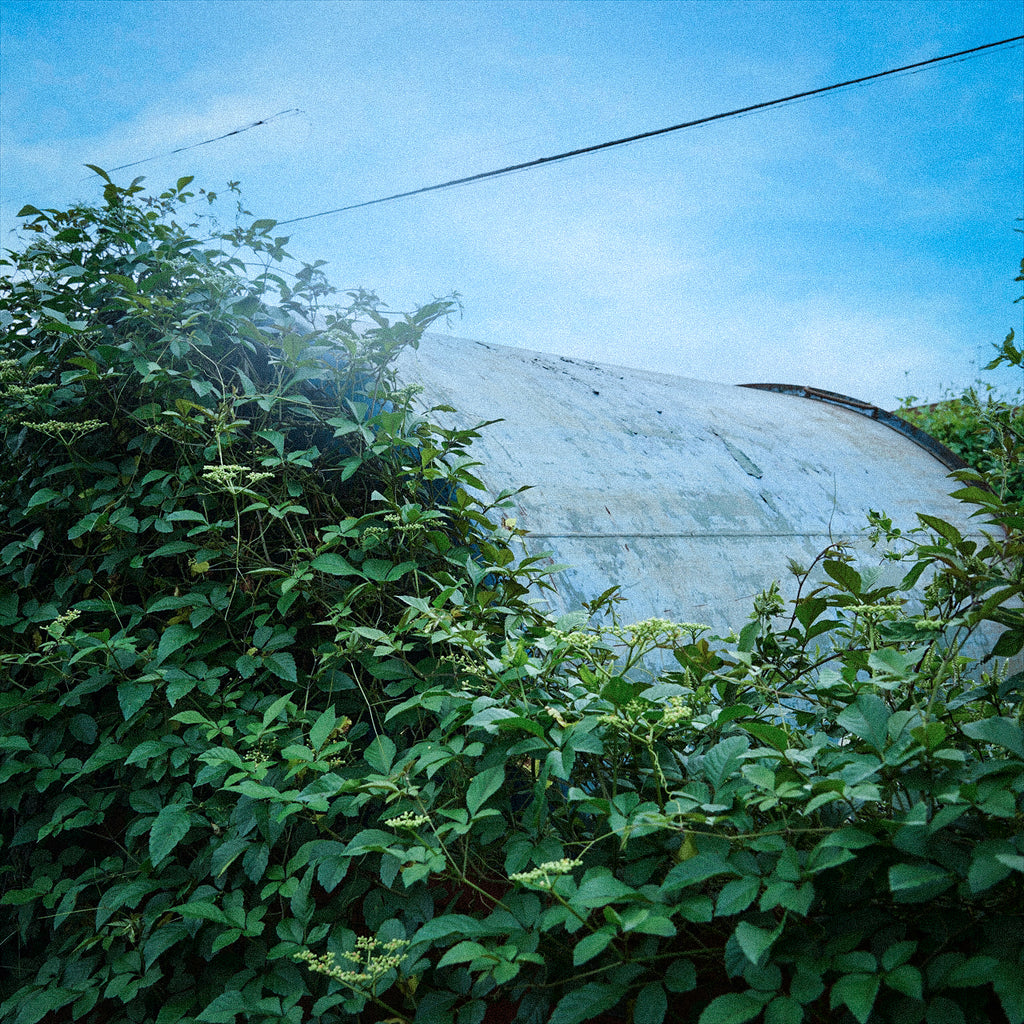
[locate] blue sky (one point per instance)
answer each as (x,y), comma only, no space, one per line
(861,241)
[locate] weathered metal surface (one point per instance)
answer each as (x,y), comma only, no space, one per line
(948,458)
(691,496)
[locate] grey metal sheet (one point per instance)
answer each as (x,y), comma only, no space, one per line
(690,495)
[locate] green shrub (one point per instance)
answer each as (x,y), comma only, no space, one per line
(285,738)
(982,425)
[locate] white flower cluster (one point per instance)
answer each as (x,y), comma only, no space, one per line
(676,713)
(407,820)
(233,478)
(380,957)
(549,869)
(59,626)
(659,632)
(10,369)
(874,609)
(66,431)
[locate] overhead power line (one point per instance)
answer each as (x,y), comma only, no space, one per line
(541,161)
(206,142)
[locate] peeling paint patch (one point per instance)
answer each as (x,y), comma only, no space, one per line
(748,466)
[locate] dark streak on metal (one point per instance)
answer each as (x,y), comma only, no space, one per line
(924,440)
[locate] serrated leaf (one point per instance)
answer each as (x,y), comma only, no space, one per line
(586,1003)
(598,888)
(161,940)
(731,1008)
(1003,732)
(1009,986)
(170,827)
(483,786)
(867,718)
(282,664)
(462,952)
(844,574)
(916,883)
(783,1010)
(723,759)
(736,896)
(770,734)
(681,976)
(651,1004)
(275,709)
(857,993)
(225,1008)
(203,910)
(132,697)
(322,728)
(754,941)
(380,754)
(591,945)
(173,639)
(905,979)
(333,565)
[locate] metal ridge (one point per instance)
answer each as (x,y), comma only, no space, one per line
(924,440)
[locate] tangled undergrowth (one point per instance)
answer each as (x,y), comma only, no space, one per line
(286,737)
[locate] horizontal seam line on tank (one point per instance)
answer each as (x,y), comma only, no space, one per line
(668,536)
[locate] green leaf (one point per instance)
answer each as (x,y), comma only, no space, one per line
(203,910)
(942,528)
(598,888)
(132,697)
(38,1004)
(723,759)
(170,827)
(844,574)
(783,1010)
(42,497)
(857,993)
(681,976)
(987,867)
(174,638)
(382,571)
(731,1008)
(591,945)
(161,940)
(489,781)
(333,565)
(275,709)
(737,895)
(907,980)
(1008,981)
(225,1008)
(697,869)
(755,942)
(868,718)
(586,1003)
(1003,732)
(380,754)
(916,883)
(462,952)
(282,665)
(651,1004)
(449,924)
(322,728)
(770,734)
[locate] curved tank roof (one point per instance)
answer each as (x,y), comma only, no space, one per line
(691,496)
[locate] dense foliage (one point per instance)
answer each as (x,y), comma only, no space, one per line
(983,427)
(285,738)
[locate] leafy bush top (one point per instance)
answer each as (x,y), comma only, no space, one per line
(284,738)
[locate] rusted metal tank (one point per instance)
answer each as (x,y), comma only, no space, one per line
(690,496)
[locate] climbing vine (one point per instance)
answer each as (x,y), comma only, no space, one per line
(286,736)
